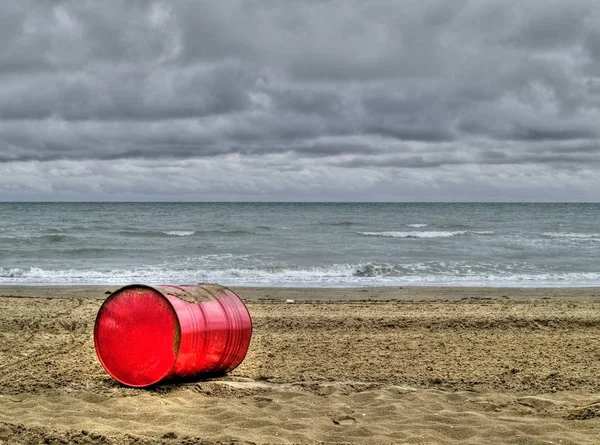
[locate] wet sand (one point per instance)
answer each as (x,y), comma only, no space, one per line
(387,365)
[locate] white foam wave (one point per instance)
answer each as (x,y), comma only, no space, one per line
(336,275)
(573,236)
(416,225)
(179,232)
(426,234)
(329,275)
(415,234)
(11,273)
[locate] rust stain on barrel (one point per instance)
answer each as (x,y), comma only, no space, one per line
(176,339)
(199,293)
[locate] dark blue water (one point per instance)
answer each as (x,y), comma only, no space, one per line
(301,244)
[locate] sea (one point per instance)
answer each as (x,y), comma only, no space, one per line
(301,244)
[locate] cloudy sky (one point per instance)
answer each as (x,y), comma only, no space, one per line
(426,100)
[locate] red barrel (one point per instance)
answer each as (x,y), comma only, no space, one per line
(146,334)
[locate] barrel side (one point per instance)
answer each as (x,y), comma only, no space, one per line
(216,329)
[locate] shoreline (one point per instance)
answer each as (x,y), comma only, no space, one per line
(383,293)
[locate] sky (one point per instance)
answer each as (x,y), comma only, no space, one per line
(304,100)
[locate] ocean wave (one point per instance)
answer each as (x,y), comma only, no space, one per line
(339,223)
(260,227)
(227,232)
(169,233)
(416,225)
(374,270)
(573,236)
(37,275)
(414,234)
(29,236)
(12,273)
(426,234)
(179,232)
(238,275)
(85,253)
(334,275)
(50,238)
(141,233)
(153,274)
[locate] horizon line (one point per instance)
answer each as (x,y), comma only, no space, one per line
(294,202)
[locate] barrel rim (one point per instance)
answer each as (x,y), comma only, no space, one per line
(251,328)
(178,333)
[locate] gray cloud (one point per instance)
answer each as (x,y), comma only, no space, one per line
(324,90)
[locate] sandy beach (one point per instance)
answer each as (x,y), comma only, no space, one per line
(366,366)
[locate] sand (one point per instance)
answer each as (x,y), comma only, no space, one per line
(389,365)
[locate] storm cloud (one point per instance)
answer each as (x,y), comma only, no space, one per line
(312,99)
